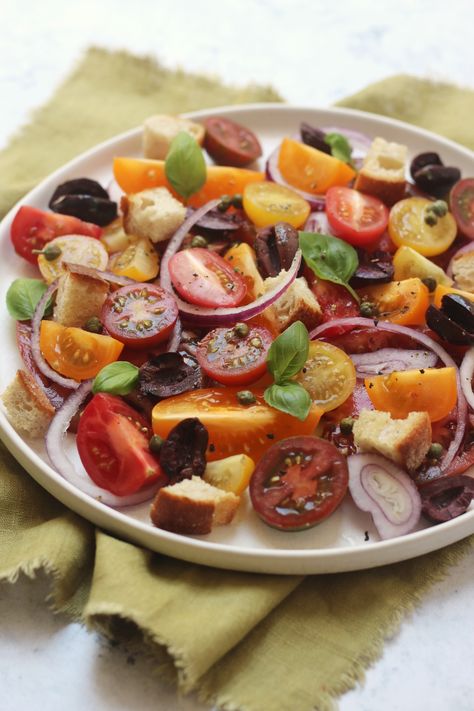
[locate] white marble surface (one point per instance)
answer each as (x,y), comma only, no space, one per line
(313,52)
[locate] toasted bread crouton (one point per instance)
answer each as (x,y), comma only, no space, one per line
(28,409)
(463,271)
(383,171)
(298,303)
(193,506)
(153,213)
(405,442)
(79,298)
(160,130)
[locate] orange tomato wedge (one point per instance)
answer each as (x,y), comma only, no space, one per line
(432,390)
(441,291)
(308,169)
(403,302)
(136,174)
(76,353)
(233,428)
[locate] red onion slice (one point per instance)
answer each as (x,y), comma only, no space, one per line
(318,222)
(466,373)
(360,143)
(341,325)
(109,277)
(464,250)
(175,339)
(40,362)
(386,360)
(63,465)
(272,171)
(386,492)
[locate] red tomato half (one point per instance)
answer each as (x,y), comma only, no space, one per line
(334,299)
(232,359)
(229,143)
(112,440)
(204,278)
(355,217)
(33,229)
(139,315)
(298,483)
(461,202)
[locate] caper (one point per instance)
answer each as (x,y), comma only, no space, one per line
(346,425)
(94,325)
(50,253)
(439,208)
(237,200)
(246,397)
(430,283)
(155,444)
(241,330)
(430,219)
(435,451)
(199,241)
(368,309)
(225,203)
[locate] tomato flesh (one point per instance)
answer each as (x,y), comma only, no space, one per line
(33,228)
(298,483)
(204,278)
(407,226)
(357,218)
(112,439)
(140,315)
(267,203)
(232,359)
(335,300)
(229,143)
(461,202)
(328,375)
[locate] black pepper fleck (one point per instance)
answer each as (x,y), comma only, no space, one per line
(212,448)
(366,536)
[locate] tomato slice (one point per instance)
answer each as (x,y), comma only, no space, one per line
(311,170)
(407,226)
(230,143)
(357,218)
(204,278)
(431,390)
(140,315)
(298,483)
(33,228)
(76,353)
(267,203)
(328,375)
(76,249)
(112,439)
(403,302)
(334,299)
(461,202)
(233,428)
(139,261)
(232,359)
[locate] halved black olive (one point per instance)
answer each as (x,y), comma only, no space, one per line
(449,330)
(80,186)
(447,497)
(375,268)
(98,210)
(276,247)
(437,180)
(459,309)
(314,137)
(183,453)
(169,374)
(422,160)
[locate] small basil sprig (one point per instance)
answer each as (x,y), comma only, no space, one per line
(185,167)
(330,258)
(286,356)
(117,378)
(23,296)
(340,146)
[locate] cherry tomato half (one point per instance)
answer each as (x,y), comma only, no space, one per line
(139,315)
(76,249)
(232,359)
(461,202)
(229,143)
(357,218)
(407,226)
(298,483)
(112,439)
(33,229)
(334,299)
(204,278)
(328,375)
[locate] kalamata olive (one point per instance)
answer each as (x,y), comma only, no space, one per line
(459,309)
(375,268)
(422,160)
(80,186)
(437,180)
(169,374)
(447,497)
(183,453)
(314,137)
(445,327)
(276,247)
(99,211)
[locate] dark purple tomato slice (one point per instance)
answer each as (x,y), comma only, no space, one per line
(461,202)
(229,143)
(298,483)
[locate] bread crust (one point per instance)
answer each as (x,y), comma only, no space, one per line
(28,409)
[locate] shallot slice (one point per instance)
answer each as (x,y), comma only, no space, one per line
(466,373)
(387,360)
(386,492)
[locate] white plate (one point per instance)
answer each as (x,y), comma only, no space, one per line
(247,544)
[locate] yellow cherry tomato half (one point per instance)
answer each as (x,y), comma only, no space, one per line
(328,375)
(76,249)
(139,261)
(431,390)
(407,226)
(76,353)
(267,203)
(403,302)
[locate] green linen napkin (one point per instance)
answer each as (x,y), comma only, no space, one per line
(243,641)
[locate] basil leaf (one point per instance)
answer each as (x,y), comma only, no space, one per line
(117,378)
(330,258)
(291,398)
(23,296)
(340,146)
(185,167)
(289,352)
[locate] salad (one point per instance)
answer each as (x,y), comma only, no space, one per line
(303,333)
